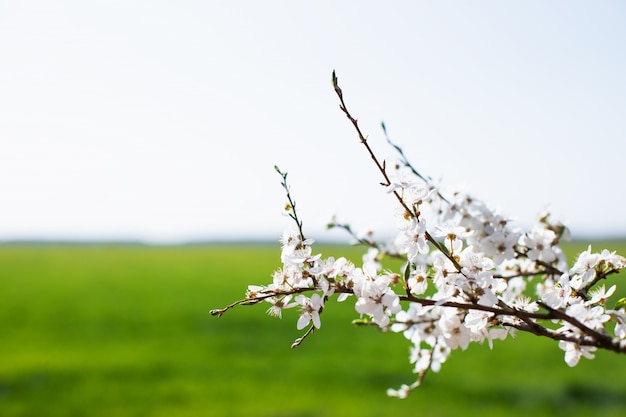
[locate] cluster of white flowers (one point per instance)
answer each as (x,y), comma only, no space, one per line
(470,281)
(468,276)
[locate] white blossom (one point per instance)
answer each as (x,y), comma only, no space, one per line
(453,330)
(573,352)
(412,240)
(500,246)
(585,266)
(558,295)
(539,243)
(376,299)
(418,280)
(310,310)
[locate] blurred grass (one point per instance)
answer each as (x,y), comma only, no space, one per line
(125,331)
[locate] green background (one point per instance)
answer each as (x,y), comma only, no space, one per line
(123,330)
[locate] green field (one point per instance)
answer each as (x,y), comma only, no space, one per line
(126,331)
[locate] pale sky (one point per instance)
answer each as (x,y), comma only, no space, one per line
(162,121)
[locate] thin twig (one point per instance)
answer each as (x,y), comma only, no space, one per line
(299,340)
(383,171)
(365,242)
(408,164)
(291,208)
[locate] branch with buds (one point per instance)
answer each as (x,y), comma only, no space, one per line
(467,276)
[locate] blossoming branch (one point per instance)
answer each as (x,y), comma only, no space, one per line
(467,276)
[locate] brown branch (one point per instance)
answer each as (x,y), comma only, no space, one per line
(383,171)
(589,337)
(593,338)
(521,274)
(263,295)
(549,269)
(600,275)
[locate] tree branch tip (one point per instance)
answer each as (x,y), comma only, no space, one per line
(336,83)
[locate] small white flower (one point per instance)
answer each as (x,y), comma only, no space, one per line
(558,295)
(474,262)
(612,260)
(593,317)
(500,246)
(418,281)
(414,323)
(477,320)
(278,304)
(454,332)
(370,260)
(600,295)
(310,310)
(573,352)
(405,184)
(539,242)
(376,299)
(413,240)
(585,266)
(620,327)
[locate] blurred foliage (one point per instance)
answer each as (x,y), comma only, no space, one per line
(125,331)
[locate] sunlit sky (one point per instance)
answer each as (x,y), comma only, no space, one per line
(162,121)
